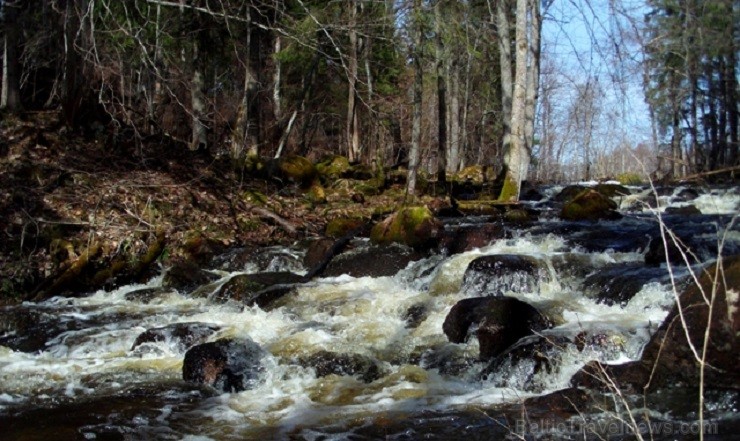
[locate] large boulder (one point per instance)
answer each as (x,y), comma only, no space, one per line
(498,322)
(227,365)
(589,205)
(496,274)
(668,359)
(413,226)
(181,336)
(328,363)
(374,261)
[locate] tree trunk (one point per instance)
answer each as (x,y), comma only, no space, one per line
(454,130)
(11,86)
(352,131)
(244,136)
(507,85)
(517,156)
(417,100)
(199,140)
(441,97)
(72,90)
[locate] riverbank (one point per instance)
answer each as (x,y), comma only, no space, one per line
(105,208)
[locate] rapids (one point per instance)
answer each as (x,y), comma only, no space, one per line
(68,370)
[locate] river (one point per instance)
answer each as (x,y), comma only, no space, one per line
(68,369)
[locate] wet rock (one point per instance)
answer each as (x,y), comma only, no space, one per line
(497,274)
(374,261)
(667,359)
(677,249)
(227,365)
(185,276)
(617,284)
(28,329)
(146,295)
(328,363)
(568,193)
(686,210)
(687,194)
(465,238)
(317,251)
(498,323)
(589,205)
(416,314)
(521,364)
(447,359)
(612,190)
(181,336)
(259,289)
(413,226)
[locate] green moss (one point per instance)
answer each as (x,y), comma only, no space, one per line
(298,169)
(332,167)
(316,193)
(509,190)
(630,179)
(254,197)
(337,228)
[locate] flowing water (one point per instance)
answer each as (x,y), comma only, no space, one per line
(72,373)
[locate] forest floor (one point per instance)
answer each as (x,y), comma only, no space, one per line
(67,197)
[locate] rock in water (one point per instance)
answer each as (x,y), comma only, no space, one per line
(228,365)
(498,322)
(496,274)
(181,335)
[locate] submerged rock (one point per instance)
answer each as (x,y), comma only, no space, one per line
(618,284)
(498,323)
(327,363)
(227,365)
(181,335)
(521,364)
(497,274)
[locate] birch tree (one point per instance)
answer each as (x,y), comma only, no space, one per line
(517,154)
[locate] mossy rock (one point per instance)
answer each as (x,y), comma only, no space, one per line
(477,174)
(254,197)
(332,167)
(590,205)
(413,226)
(298,169)
(569,192)
(316,193)
(340,227)
(612,190)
